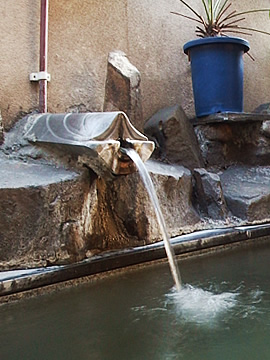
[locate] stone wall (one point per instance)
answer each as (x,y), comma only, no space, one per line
(82,33)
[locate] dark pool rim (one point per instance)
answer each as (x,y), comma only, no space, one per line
(13,282)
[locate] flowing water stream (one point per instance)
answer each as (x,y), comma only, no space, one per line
(153,197)
(192,301)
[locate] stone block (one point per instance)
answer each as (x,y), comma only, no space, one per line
(1,130)
(122,89)
(126,216)
(224,144)
(44,214)
(175,137)
(247,192)
(209,194)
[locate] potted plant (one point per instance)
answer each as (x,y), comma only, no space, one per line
(216,58)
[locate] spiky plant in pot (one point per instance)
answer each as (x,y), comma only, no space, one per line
(217,58)
(219,19)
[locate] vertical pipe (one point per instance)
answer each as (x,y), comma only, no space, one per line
(44,7)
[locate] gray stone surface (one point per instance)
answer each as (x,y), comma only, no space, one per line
(266,128)
(231,117)
(51,214)
(247,192)
(56,215)
(126,216)
(1,130)
(225,144)
(263,148)
(175,137)
(263,109)
(209,194)
(44,213)
(122,90)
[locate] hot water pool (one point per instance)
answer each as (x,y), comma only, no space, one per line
(223,312)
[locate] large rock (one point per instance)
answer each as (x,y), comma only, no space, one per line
(263,109)
(125,213)
(209,194)
(1,130)
(55,215)
(224,144)
(263,149)
(122,90)
(247,192)
(44,214)
(175,137)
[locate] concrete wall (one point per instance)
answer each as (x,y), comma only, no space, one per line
(82,33)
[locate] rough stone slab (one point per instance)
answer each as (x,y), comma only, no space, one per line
(247,192)
(209,194)
(228,117)
(266,128)
(122,89)
(175,190)
(44,213)
(1,130)
(225,144)
(175,137)
(15,174)
(126,216)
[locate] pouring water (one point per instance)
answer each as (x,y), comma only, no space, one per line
(153,197)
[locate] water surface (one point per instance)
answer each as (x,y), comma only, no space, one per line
(223,312)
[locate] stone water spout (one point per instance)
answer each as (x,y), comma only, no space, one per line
(93,139)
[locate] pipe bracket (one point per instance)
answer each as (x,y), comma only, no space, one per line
(42,75)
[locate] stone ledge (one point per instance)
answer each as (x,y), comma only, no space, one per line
(230,117)
(13,282)
(43,209)
(247,192)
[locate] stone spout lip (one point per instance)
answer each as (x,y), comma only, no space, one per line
(95,139)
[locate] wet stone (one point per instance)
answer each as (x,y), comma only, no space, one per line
(175,139)
(1,130)
(247,192)
(209,194)
(126,216)
(266,128)
(224,144)
(43,212)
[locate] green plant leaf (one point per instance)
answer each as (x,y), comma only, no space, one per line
(219,20)
(206,11)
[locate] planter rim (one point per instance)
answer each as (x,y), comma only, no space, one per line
(216,40)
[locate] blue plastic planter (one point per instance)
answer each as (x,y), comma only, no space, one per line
(217,73)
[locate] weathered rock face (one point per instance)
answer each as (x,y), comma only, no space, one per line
(265,129)
(209,194)
(263,150)
(126,216)
(122,91)
(51,214)
(54,215)
(1,130)
(44,214)
(225,144)
(247,192)
(175,137)
(263,109)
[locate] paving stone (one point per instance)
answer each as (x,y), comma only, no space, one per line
(247,192)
